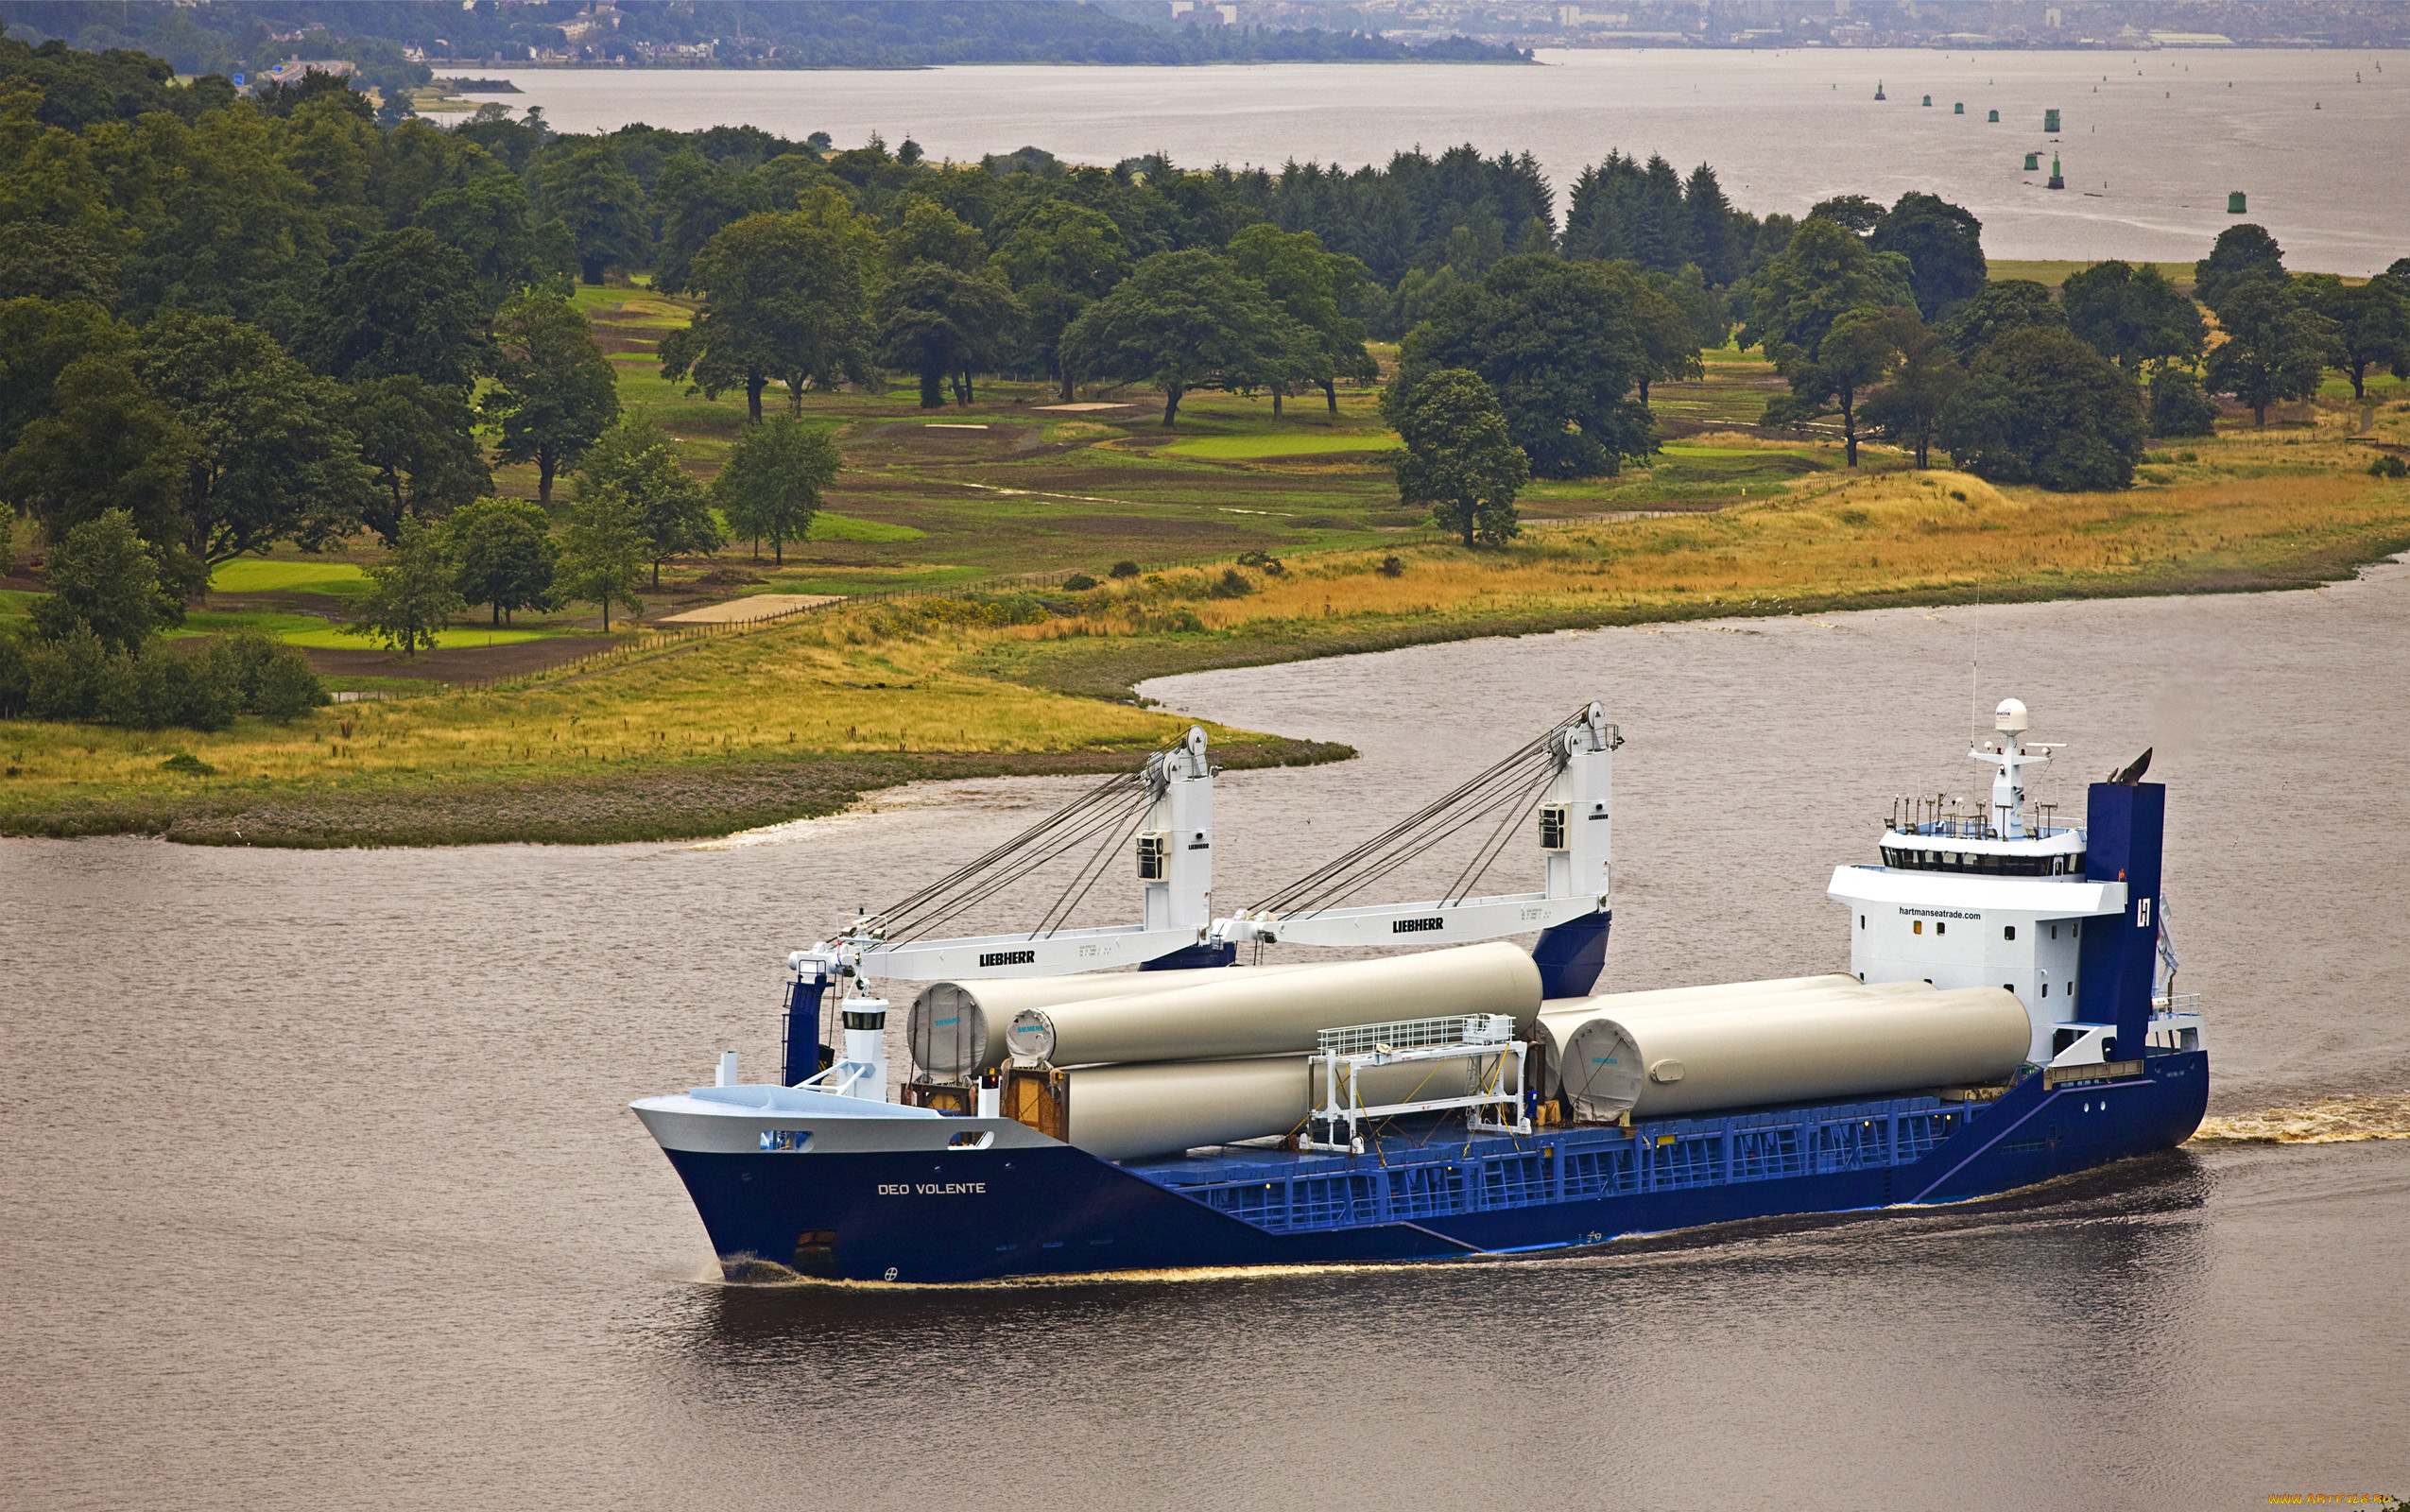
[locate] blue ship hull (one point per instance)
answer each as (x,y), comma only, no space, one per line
(968,1215)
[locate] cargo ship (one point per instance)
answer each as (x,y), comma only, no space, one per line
(2008,1016)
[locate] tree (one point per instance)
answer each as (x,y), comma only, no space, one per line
(1714,237)
(2132,314)
(38,339)
(2372,324)
(1855,214)
(586,187)
(1317,290)
(1060,258)
(1908,408)
(2040,406)
(770,488)
(926,232)
(104,579)
(2275,347)
(1999,307)
(784,297)
(266,456)
(1181,321)
(602,553)
(1559,343)
(405,304)
(637,461)
(1460,462)
(503,555)
(104,443)
(1943,244)
(1860,351)
(2243,254)
(939,322)
(488,221)
(553,389)
(2177,405)
(420,439)
(413,596)
(1824,273)
(1668,332)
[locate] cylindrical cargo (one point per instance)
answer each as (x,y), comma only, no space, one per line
(1265,1014)
(957,1028)
(1560,1020)
(1130,1112)
(1791,1052)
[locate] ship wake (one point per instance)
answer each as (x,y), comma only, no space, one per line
(2326,1121)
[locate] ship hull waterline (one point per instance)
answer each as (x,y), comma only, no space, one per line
(941,1215)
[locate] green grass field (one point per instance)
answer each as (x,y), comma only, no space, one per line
(1309,444)
(827,526)
(252,575)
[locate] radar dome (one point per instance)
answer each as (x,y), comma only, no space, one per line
(2010,717)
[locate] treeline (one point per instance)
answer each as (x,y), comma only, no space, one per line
(236,36)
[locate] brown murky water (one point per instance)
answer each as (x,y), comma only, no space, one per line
(316,1189)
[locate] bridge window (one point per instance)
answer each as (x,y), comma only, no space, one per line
(1940,927)
(2008,932)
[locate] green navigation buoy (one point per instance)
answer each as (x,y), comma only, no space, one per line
(1878,89)
(2234,203)
(1995,118)
(2032,162)
(2058,180)
(1960,109)
(2050,120)
(1928,100)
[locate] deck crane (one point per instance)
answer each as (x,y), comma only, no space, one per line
(1164,814)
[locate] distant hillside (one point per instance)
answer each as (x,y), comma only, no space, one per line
(403,37)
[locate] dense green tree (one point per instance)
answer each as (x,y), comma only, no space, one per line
(412,594)
(105,443)
(2276,349)
(2371,323)
(2178,406)
(1667,324)
(1559,344)
(1907,408)
(1854,214)
(586,187)
(926,232)
(2040,406)
(1860,352)
(225,227)
(2132,314)
(419,439)
(1943,244)
(62,263)
(1317,290)
(1059,258)
(503,555)
(695,197)
(938,322)
(38,339)
(1181,320)
(488,221)
(405,304)
(2244,254)
(638,461)
(1825,273)
(268,456)
(770,488)
(785,297)
(1714,236)
(603,552)
(103,579)
(554,391)
(1999,307)
(1461,461)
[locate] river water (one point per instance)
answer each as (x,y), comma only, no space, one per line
(2152,143)
(320,1191)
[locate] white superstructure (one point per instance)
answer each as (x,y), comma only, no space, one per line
(1990,897)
